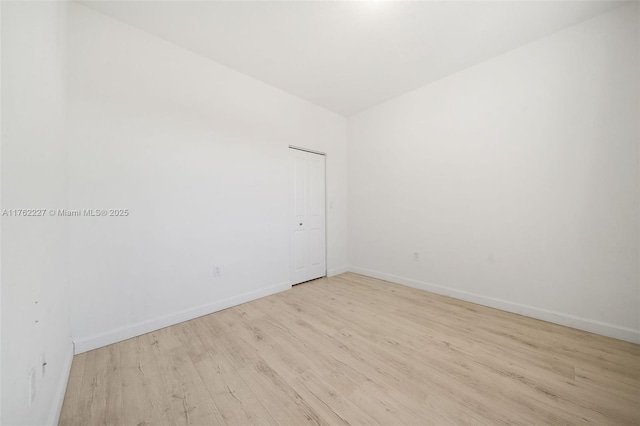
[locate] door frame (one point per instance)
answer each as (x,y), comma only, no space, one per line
(326,231)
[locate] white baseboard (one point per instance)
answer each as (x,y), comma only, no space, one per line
(124,333)
(593,326)
(56,408)
(337,271)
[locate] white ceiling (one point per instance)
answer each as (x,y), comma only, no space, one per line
(349,56)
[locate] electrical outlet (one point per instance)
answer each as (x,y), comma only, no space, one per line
(31,386)
(416,256)
(217,271)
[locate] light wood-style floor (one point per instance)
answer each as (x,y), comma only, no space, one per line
(355,350)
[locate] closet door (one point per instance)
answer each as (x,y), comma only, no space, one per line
(308,245)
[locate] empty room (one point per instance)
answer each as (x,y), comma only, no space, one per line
(319,212)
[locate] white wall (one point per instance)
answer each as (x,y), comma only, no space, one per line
(34,249)
(198,153)
(0,210)
(515,180)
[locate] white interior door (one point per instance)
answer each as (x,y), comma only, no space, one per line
(308,254)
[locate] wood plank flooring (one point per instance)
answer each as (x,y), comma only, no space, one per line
(360,351)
